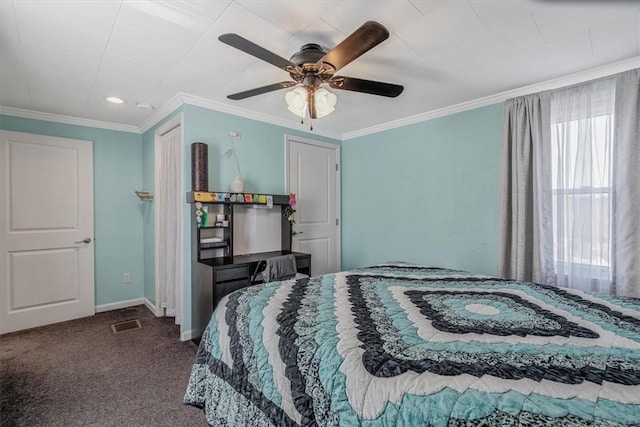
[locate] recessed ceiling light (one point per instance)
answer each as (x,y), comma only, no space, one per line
(115,99)
(144,105)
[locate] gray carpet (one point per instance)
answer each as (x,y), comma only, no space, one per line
(79,373)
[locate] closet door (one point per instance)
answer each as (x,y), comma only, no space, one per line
(314,175)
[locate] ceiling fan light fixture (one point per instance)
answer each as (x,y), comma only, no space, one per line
(324,101)
(312,66)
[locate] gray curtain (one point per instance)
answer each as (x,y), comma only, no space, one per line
(626,185)
(524,234)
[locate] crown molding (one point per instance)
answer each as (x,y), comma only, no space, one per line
(568,80)
(241,112)
(58,118)
(184,98)
(161,113)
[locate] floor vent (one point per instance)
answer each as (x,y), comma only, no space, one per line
(126,326)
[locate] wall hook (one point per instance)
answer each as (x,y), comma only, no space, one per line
(145,196)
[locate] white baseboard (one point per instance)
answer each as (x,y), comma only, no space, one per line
(120,304)
(152,308)
(186,335)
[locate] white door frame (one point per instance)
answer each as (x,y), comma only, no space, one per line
(171,124)
(287,143)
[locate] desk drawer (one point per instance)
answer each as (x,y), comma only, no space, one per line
(304,262)
(222,289)
(235,273)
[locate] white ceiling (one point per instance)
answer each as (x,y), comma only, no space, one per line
(64,57)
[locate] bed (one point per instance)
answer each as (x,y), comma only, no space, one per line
(406,345)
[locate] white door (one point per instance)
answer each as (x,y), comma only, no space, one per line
(313,175)
(46,230)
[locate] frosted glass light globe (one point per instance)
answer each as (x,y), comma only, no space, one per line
(297,101)
(325,102)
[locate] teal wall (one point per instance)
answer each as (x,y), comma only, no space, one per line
(124,162)
(424,193)
(117,170)
(260,152)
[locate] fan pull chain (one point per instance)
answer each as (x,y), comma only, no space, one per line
(310,122)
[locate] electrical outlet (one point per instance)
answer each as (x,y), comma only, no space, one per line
(126,278)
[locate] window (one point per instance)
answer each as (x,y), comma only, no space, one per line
(571,186)
(581,155)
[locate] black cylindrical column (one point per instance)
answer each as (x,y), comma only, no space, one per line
(199,166)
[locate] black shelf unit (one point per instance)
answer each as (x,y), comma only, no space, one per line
(218,271)
(197,233)
(213,245)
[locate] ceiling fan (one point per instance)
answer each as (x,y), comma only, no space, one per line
(312,66)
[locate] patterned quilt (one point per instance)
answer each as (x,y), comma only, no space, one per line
(405,345)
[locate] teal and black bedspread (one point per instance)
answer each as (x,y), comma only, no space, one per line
(405,345)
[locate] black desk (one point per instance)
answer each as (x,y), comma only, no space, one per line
(217,277)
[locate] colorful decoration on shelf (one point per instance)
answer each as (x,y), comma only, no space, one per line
(208,197)
(288,210)
(202,196)
(202,215)
(215,197)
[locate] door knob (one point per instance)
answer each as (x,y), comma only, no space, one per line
(85,240)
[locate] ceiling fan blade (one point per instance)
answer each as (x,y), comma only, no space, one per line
(369,35)
(261,90)
(259,52)
(367,86)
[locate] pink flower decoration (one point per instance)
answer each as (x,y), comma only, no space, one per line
(292,199)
